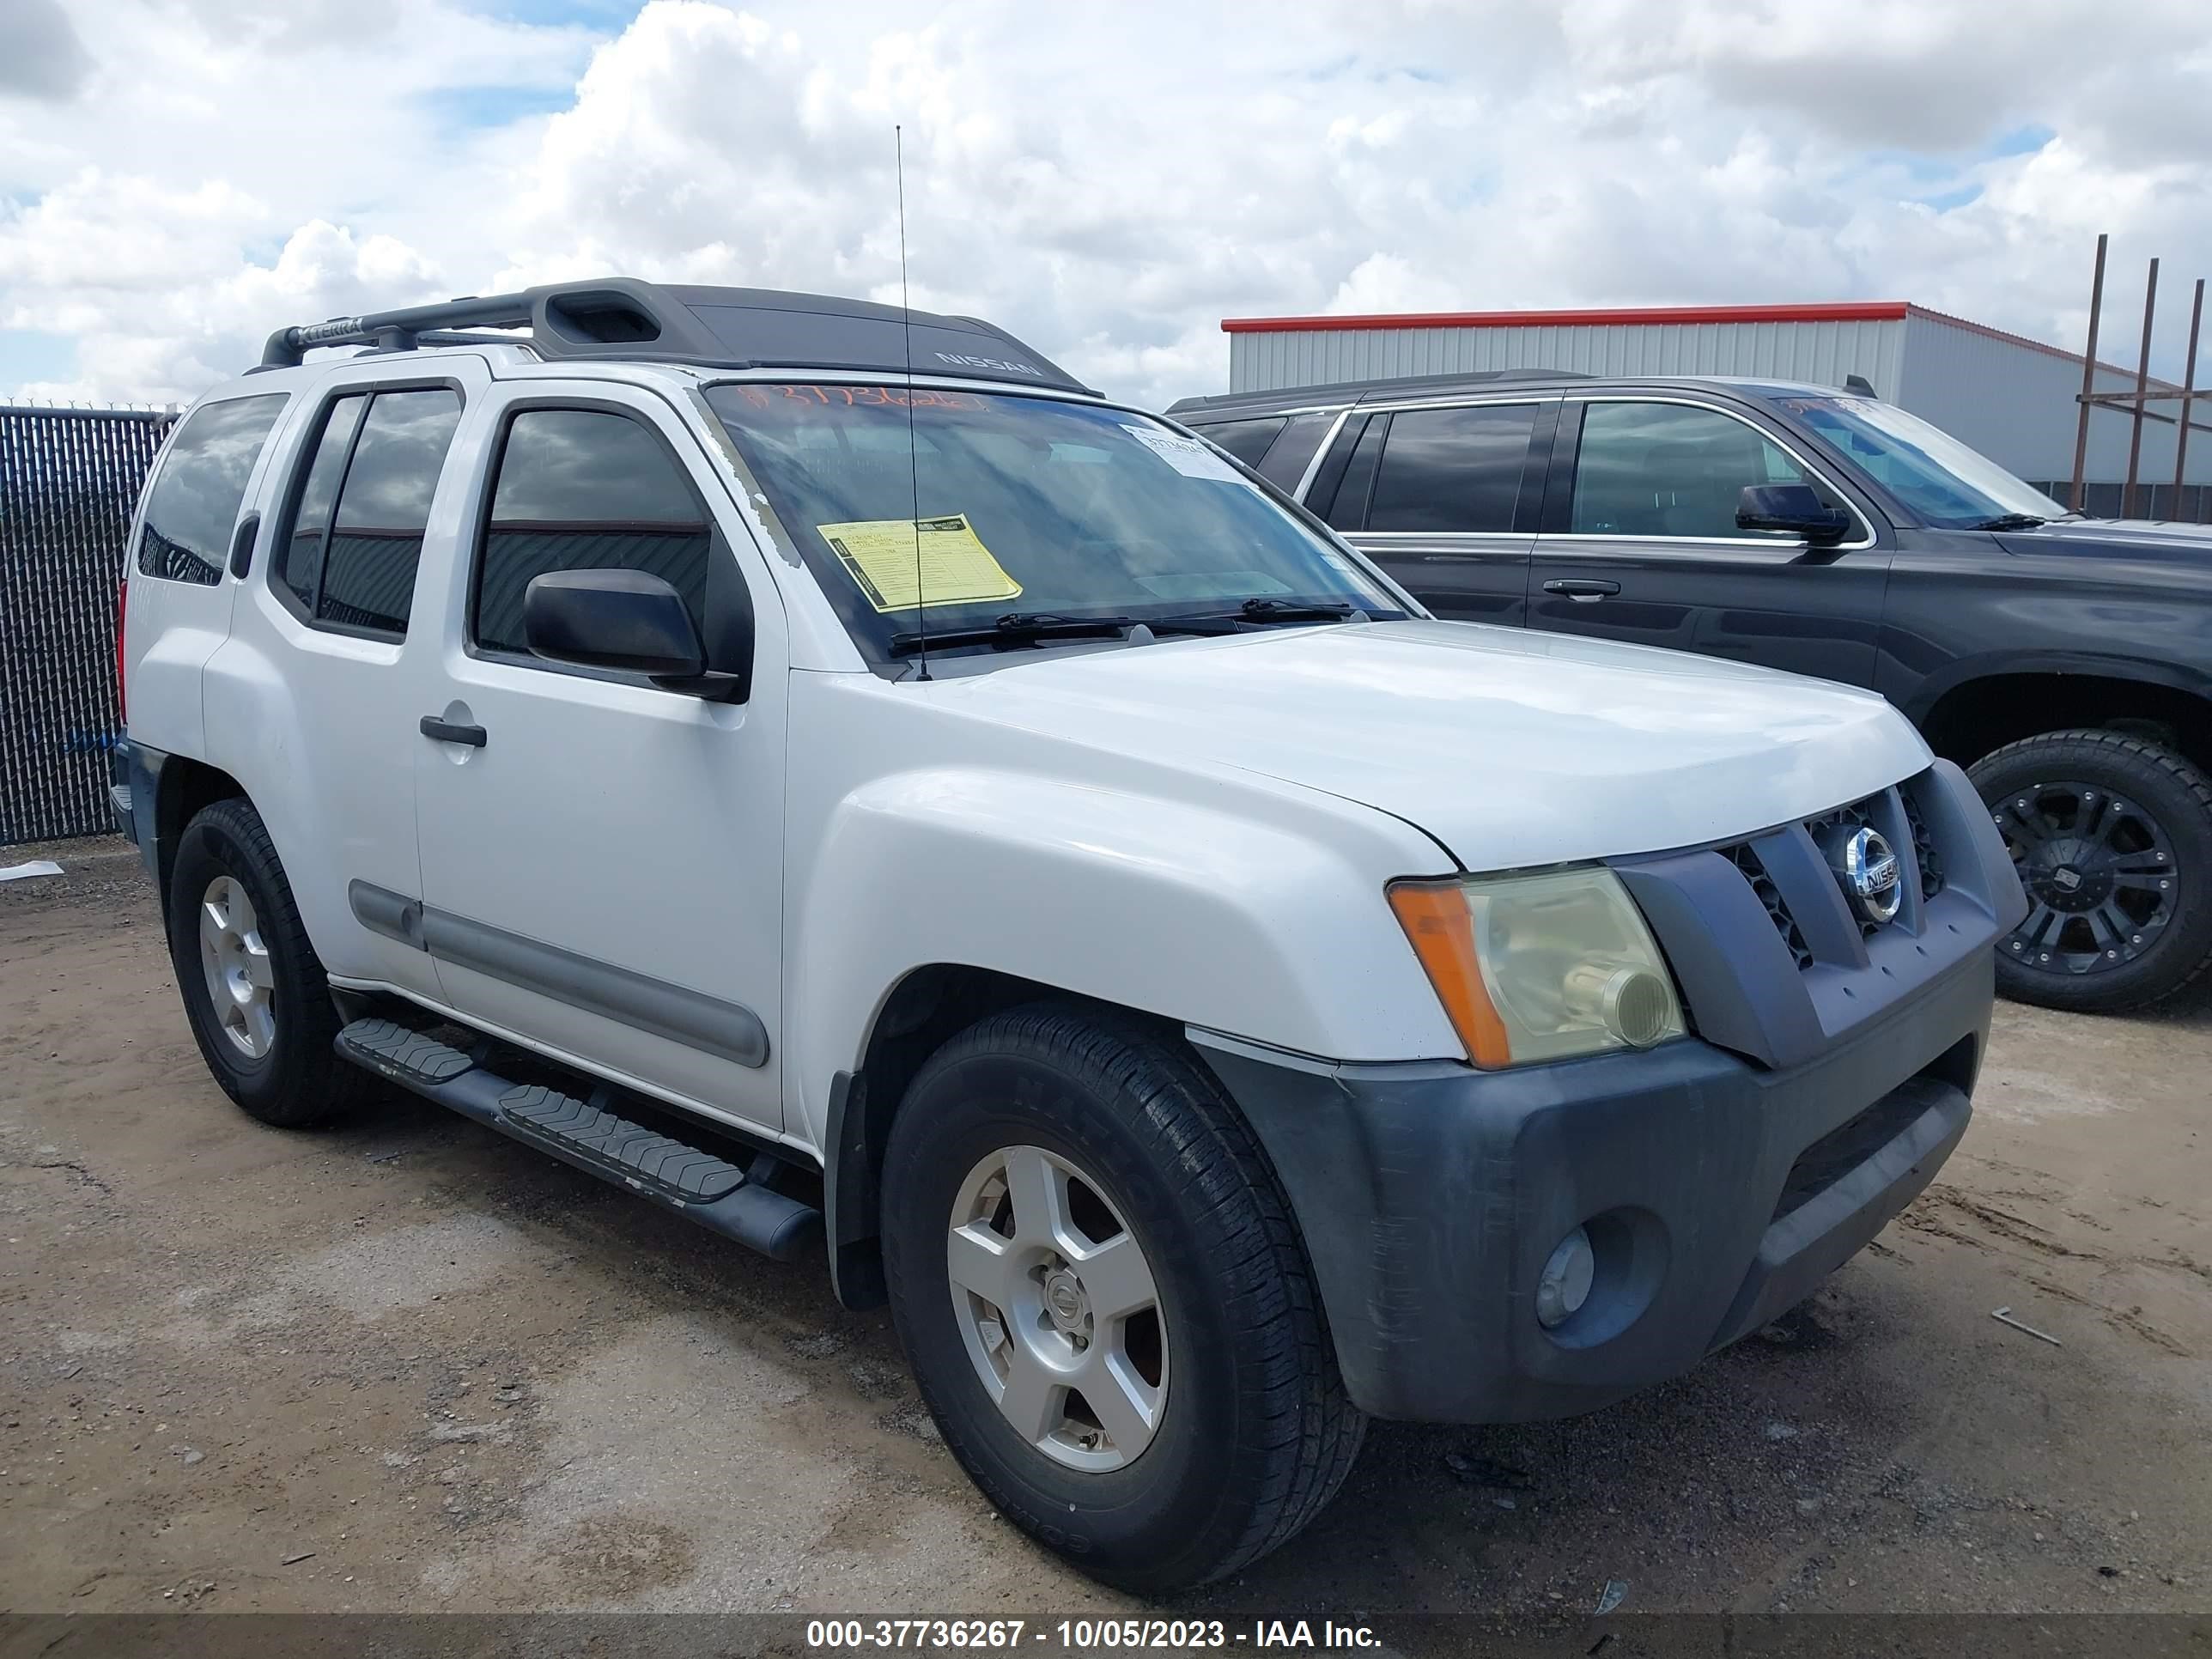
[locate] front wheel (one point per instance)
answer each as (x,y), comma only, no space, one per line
(2111,836)
(1105,1301)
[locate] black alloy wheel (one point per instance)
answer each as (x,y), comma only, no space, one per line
(2112,838)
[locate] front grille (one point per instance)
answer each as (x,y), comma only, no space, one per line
(1924,849)
(1859,815)
(1778,910)
(1880,812)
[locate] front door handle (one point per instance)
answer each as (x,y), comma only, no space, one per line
(446,731)
(1583,590)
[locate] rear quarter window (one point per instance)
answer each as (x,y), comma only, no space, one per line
(194,503)
(1247,441)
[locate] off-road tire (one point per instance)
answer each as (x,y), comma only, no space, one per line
(2172,792)
(1256,1433)
(300,1082)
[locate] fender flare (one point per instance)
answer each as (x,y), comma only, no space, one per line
(1966,670)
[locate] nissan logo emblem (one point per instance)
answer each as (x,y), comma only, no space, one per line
(1870,876)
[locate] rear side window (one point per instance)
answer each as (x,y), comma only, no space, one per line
(194,503)
(1247,441)
(300,565)
(1452,470)
(586,490)
(356,536)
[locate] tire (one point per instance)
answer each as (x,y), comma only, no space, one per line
(295,1080)
(2112,838)
(1253,1431)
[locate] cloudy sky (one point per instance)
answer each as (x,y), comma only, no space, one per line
(177,177)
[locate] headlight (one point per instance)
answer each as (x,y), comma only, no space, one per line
(1541,967)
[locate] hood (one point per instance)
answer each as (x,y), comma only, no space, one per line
(1509,748)
(2150,539)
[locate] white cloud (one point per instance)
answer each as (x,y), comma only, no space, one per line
(1107,182)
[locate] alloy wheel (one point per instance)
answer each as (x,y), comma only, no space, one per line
(2100,875)
(241,983)
(1058,1308)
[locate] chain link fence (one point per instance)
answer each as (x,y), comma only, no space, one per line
(69,480)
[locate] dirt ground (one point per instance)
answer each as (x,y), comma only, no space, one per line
(412,1364)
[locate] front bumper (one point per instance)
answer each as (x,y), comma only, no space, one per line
(1720,1177)
(1717,1194)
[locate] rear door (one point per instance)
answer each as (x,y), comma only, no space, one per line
(328,613)
(1639,542)
(1447,497)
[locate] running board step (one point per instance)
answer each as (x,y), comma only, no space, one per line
(697,1184)
(407,1057)
(646,1158)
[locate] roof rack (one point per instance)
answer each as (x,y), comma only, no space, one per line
(1369,392)
(621,318)
(396,330)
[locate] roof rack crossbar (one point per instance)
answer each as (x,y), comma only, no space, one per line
(620,318)
(395,331)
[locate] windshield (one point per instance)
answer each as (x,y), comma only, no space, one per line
(1024,508)
(1946,483)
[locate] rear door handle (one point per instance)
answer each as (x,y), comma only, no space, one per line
(241,543)
(1586,590)
(446,732)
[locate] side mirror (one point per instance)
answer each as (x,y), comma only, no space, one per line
(1797,509)
(624,620)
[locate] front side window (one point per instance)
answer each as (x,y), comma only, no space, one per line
(349,556)
(1452,470)
(194,503)
(1026,505)
(1946,484)
(585,489)
(1671,469)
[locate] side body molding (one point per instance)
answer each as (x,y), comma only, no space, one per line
(728,1030)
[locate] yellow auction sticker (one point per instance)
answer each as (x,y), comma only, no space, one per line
(953,566)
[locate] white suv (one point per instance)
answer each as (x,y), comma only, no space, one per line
(1212,1001)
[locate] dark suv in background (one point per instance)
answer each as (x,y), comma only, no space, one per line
(2066,663)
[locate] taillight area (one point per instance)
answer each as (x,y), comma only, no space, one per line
(122,621)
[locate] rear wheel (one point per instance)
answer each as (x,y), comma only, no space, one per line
(253,989)
(2111,836)
(1105,1301)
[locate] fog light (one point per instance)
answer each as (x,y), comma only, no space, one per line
(1564,1284)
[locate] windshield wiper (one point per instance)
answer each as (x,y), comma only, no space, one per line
(1254,612)
(1015,627)
(1291,611)
(2012,521)
(1028,627)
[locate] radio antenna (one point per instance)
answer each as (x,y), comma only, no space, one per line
(912,457)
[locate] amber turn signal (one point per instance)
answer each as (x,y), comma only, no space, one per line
(1434,915)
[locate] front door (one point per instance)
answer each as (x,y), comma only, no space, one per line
(1644,545)
(1437,496)
(602,860)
